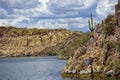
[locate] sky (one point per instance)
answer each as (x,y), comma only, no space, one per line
(53,14)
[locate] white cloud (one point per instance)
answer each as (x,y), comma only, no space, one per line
(104,7)
(88,3)
(67,23)
(70,14)
(12,22)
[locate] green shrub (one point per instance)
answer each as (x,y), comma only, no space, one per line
(108,25)
(110,28)
(110,18)
(116,66)
(78,67)
(70,67)
(82,39)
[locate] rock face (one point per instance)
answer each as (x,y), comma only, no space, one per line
(101,55)
(70,45)
(17,42)
(29,43)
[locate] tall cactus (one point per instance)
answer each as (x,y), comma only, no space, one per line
(105,52)
(104,47)
(104,43)
(104,35)
(91,24)
(118,41)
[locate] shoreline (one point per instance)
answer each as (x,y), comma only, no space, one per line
(26,57)
(89,75)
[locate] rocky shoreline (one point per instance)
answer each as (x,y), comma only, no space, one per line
(89,75)
(102,53)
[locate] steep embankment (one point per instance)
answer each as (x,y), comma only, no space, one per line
(29,42)
(71,44)
(16,42)
(101,54)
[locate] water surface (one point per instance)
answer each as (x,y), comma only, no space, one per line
(37,68)
(33,68)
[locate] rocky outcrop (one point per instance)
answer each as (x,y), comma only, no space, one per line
(17,42)
(100,57)
(31,45)
(70,45)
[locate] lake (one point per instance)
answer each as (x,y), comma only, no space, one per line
(36,68)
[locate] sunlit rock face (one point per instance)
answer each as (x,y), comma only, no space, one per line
(30,42)
(99,57)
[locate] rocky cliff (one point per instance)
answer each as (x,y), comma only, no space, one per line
(28,42)
(101,53)
(17,42)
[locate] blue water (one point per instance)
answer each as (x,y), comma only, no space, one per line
(37,68)
(33,68)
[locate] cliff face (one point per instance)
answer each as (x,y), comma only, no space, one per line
(26,44)
(101,53)
(17,42)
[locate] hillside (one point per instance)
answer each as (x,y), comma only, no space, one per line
(101,53)
(71,44)
(17,42)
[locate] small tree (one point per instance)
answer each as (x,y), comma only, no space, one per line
(91,24)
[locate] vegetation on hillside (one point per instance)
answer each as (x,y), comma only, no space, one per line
(15,32)
(102,56)
(71,44)
(40,42)
(30,42)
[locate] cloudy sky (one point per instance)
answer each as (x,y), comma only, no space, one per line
(51,14)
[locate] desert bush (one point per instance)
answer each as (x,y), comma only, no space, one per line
(116,66)
(108,25)
(70,67)
(110,18)
(110,28)
(78,67)
(82,40)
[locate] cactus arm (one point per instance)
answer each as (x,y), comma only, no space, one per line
(118,41)
(92,23)
(89,24)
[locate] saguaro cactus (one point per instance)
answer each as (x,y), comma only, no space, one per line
(105,51)
(104,47)
(118,41)
(104,43)
(91,24)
